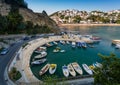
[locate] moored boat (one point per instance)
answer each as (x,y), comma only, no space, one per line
(55,43)
(65,71)
(71,70)
(98,65)
(52,68)
(87,69)
(44,69)
(73,44)
(77,68)
(37,62)
(43,54)
(40,49)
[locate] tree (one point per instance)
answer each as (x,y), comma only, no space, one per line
(109,73)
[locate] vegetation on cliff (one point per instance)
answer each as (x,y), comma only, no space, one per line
(17,22)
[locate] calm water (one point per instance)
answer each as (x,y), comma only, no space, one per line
(80,55)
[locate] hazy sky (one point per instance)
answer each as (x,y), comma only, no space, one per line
(51,6)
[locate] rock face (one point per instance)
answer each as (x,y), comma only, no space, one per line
(4,8)
(37,18)
(28,15)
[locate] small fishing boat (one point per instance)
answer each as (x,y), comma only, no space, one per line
(62,42)
(40,49)
(65,71)
(52,68)
(117,46)
(62,51)
(83,44)
(55,43)
(77,68)
(43,54)
(73,44)
(37,62)
(55,50)
(44,69)
(67,42)
(48,44)
(87,69)
(99,65)
(71,70)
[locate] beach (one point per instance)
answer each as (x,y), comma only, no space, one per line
(87,25)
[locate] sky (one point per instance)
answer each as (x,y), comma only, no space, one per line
(51,6)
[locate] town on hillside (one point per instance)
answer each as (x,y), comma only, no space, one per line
(84,17)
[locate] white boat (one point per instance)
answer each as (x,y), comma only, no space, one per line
(55,50)
(62,42)
(62,51)
(77,68)
(98,65)
(67,42)
(71,70)
(87,69)
(117,46)
(52,68)
(37,62)
(65,71)
(73,44)
(55,43)
(40,49)
(43,54)
(44,69)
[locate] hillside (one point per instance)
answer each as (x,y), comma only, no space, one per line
(39,20)
(84,17)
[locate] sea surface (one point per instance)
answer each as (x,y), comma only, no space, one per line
(81,55)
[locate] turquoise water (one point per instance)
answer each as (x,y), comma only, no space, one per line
(81,55)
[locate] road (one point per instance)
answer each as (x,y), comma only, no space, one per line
(4,60)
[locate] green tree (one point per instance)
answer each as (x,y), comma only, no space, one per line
(110,71)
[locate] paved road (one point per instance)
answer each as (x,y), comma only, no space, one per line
(4,60)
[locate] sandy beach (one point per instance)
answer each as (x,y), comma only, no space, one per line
(65,25)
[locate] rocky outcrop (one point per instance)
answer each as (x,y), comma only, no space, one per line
(37,18)
(28,15)
(4,8)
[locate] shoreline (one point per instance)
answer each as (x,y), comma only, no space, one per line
(64,25)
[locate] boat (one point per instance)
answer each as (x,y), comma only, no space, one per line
(117,46)
(73,44)
(87,69)
(48,44)
(43,54)
(67,42)
(52,68)
(92,68)
(37,62)
(62,51)
(55,43)
(65,71)
(44,69)
(83,44)
(55,50)
(62,42)
(99,65)
(77,68)
(40,49)
(71,70)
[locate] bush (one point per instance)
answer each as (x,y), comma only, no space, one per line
(14,74)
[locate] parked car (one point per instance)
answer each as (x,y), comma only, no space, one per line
(4,51)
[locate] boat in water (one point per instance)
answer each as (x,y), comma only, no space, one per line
(71,70)
(41,55)
(62,42)
(62,51)
(67,42)
(87,69)
(83,44)
(44,69)
(55,43)
(38,62)
(65,71)
(77,68)
(73,44)
(52,68)
(99,65)
(117,46)
(40,49)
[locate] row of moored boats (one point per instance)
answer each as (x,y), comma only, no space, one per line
(70,69)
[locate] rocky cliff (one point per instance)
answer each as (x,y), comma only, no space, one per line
(28,15)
